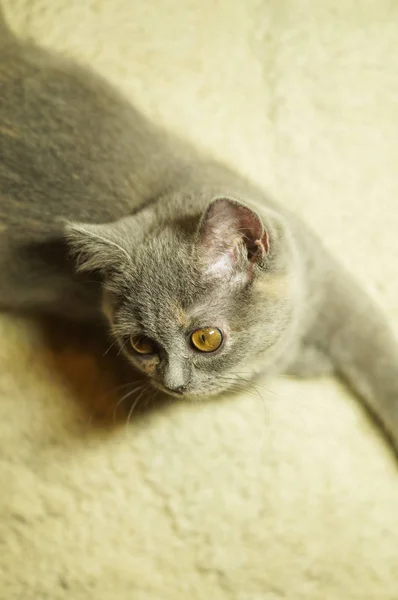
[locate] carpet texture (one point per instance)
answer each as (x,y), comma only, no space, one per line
(290,492)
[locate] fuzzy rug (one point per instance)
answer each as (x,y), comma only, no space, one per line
(289,492)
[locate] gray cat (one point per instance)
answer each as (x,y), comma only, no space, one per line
(198,275)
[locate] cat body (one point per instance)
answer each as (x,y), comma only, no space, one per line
(198,275)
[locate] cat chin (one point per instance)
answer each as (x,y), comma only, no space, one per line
(190,396)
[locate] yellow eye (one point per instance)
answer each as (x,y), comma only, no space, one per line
(208,339)
(142,344)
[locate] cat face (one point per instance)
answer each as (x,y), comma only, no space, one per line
(195,312)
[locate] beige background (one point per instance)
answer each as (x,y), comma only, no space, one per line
(294,496)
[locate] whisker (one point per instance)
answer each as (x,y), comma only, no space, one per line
(151,397)
(122,347)
(239,386)
(109,393)
(258,385)
(280,396)
(123,398)
(110,347)
(253,386)
(135,404)
(124,385)
(235,379)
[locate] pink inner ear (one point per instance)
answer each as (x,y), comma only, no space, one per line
(229,230)
(222,266)
(260,249)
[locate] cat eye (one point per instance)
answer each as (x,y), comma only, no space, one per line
(208,339)
(143,344)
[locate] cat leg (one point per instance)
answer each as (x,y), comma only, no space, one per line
(352,329)
(310,362)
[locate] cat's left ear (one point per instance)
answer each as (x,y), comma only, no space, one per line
(232,237)
(103,247)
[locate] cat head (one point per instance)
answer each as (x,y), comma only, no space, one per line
(196,306)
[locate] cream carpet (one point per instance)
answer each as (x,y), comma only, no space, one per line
(294,496)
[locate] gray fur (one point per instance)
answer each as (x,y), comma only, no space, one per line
(103,215)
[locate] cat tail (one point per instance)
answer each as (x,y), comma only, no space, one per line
(354,331)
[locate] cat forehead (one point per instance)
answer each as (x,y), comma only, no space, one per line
(154,317)
(206,311)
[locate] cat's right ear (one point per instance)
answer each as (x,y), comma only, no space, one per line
(101,247)
(232,239)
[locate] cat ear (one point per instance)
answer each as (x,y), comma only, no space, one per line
(232,237)
(98,247)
